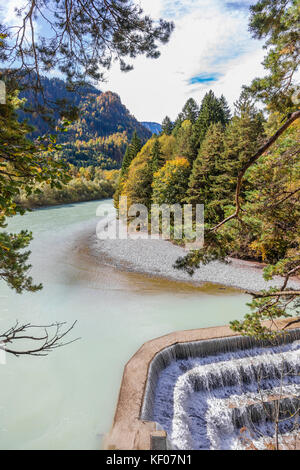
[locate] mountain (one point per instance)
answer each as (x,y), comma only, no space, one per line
(153,127)
(100,134)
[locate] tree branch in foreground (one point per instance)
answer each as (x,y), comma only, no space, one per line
(260,295)
(52,338)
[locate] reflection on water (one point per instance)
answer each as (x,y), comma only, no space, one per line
(67,400)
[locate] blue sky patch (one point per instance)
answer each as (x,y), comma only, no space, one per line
(204,78)
(239,5)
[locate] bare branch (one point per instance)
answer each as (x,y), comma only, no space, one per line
(48,342)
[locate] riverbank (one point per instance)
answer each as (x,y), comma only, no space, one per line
(157,257)
(87,184)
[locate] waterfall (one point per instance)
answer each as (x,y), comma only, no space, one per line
(203,393)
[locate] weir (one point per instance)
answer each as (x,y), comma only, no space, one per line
(195,389)
(203,393)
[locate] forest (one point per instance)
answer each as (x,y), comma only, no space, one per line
(99,125)
(196,160)
(84,184)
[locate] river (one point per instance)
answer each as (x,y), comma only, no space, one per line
(67,399)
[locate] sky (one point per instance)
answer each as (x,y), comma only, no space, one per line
(211,48)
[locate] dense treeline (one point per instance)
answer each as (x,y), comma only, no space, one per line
(85,184)
(197,160)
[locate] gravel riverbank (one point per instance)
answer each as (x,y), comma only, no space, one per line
(157,257)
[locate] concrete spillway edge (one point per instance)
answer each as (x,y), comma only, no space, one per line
(129,430)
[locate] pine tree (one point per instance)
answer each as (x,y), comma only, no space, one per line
(242,137)
(277,21)
(184,141)
(167,126)
(211,111)
(131,152)
(135,145)
(177,124)
(190,111)
(107,31)
(157,157)
(202,184)
(226,110)
(126,162)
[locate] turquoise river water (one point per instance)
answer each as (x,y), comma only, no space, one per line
(67,399)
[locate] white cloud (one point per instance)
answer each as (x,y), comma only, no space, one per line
(8,12)
(208,39)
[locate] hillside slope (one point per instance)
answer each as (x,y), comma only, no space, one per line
(102,131)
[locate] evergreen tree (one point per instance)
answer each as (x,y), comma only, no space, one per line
(242,137)
(157,157)
(203,188)
(211,111)
(226,110)
(131,152)
(167,126)
(245,106)
(190,111)
(184,141)
(126,162)
(135,145)
(277,21)
(177,124)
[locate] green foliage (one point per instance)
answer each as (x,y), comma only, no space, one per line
(167,126)
(212,110)
(131,152)
(203,185)
(138,184)
(277,21)
(23,165)
(126,162)
(184,141)
(157,156)
(251,194)
(87,184)
(242,138)
(13,261)
(83,39)
(135,145)
(101,130)
(226,110)
(170,182)
(217,247)
(190,111)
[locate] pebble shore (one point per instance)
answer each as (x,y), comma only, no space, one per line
(157,257)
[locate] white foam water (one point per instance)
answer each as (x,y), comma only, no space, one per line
(204,402)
